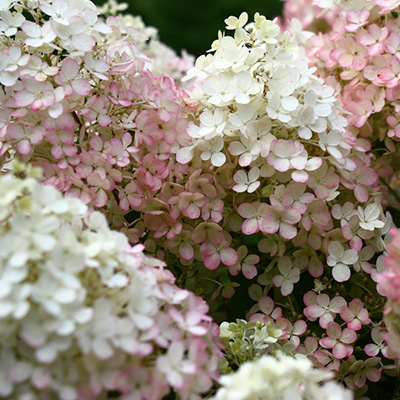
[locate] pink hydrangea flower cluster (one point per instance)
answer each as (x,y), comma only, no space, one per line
(84,314)
(389,286)
(356,51)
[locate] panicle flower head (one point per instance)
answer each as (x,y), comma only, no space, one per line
(76,297)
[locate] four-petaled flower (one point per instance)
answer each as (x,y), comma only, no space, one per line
(340,259)
(339,341)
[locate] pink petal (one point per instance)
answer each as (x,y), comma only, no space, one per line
(371,349)
(333,330)
(361,193)
(283,148)
(325,319)
(81,86)
(348,336)
(250,226)
(327,342)
(229,256)
(247,210)
(287,288)
(249,271)
(266,305)
(23,98)
(186,251)
(300,176)
(269,225)
(280,164)
(315,310)
(212,261)
(24,147)
(373,374)
(287,231)
(339,351)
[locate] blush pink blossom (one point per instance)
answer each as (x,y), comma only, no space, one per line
(322,307)
(279,218)
(214,254)
(339,341)
(355,315)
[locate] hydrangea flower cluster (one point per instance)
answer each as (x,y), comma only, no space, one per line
(282,377)
(83,313)
(357,53)
(163,59)
(70,101)
(389,286)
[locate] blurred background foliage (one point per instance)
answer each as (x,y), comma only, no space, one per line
(193,24)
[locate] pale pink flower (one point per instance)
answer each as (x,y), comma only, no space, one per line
(350,54)
(183,242)
(73,36)
(379,344)
(212,150)
(214,254)
(245,263)
(26,136)
(254,214)
(151,172)
(36,94)
(295,196)
(247,182)
(10,22)
(355,234)
(359,181)
(69,79)
(344,213)
(320,306)
(356,20)
(190,321)
(96,109)
(289,276)
(364,255)
(360,111)
(100,183)
(59,10)
(190,204)
(340,259)
(323,180)
(317,213)
(387,5)
(390,75)
(213,209)
(355,315)
(339,341)
(268,310)
(330,142)
(279,218)
(373,38)
(286,154)
(38,69)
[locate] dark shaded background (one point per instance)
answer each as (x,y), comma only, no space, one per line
(193,24)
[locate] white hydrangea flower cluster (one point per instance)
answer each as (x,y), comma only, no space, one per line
(280,378)
(83,313)
(262,104)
